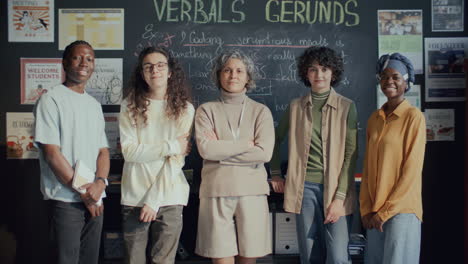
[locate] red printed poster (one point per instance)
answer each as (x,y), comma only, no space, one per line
(31,20)
(37,76)
(20,136)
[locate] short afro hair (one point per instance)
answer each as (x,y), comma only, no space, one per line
(325,57)
(70,47)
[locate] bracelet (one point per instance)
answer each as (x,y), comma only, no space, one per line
(104,180)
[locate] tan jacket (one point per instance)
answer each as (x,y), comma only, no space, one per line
(334,117)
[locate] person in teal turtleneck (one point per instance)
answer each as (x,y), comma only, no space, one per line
(319,186)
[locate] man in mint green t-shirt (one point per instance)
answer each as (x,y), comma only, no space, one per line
(69,127)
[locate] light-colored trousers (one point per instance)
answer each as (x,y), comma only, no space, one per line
(399,242)
(320,243)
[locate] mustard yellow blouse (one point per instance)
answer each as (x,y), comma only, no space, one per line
(395,145)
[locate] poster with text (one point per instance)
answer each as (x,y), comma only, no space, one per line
(37,76)
(31,20)
(102,28)
(447,15)
(106,82)
(445,77)
(413,96)
(401,31)
(113,135)
(440,124)
(20,136)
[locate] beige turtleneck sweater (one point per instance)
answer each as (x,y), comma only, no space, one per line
(234,167)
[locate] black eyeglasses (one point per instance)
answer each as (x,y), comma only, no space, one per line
(160,66)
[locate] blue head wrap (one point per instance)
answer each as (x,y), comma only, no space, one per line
(399,63)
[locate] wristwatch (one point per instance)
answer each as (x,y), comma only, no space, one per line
(103,180)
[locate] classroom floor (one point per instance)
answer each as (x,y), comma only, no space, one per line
(198,260)
(265,260)
(270,259)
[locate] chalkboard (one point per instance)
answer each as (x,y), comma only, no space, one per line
(274,46)
(274,33)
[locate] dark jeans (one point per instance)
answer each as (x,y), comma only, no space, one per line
(163,234)
(76,236)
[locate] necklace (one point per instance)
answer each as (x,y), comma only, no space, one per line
(236,133)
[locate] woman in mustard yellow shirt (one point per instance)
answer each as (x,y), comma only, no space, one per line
(391,206)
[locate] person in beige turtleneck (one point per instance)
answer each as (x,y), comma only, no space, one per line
(235,137)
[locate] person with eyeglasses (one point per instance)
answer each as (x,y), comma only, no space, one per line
(155,122)
(390,197)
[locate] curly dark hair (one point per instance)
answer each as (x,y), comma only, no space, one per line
(69,48)
(325,57)
(177,94)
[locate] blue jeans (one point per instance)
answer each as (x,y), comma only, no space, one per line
(76,235)
(320,243)
(399,242)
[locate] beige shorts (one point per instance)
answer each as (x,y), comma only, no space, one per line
(231,226)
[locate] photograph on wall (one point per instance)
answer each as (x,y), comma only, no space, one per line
(102,28)
(444,74)
(106,82)
(447,15)
(20,136)
(440,124)
(413,96)
(401,31)
(30,20)
(37,76)
(113,135)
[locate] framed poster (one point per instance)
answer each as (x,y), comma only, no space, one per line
(106,82)
(447,15)
(102,28)
(444,75)
(20,136)
(37,76)
(30,21)
(440,124)
(401,31)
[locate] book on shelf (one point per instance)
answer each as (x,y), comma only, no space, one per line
(357,244)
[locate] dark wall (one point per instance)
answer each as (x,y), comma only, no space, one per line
(274,46)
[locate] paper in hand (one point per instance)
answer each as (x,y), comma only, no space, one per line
(83,175)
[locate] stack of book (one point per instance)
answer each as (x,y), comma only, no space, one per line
(357,244)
